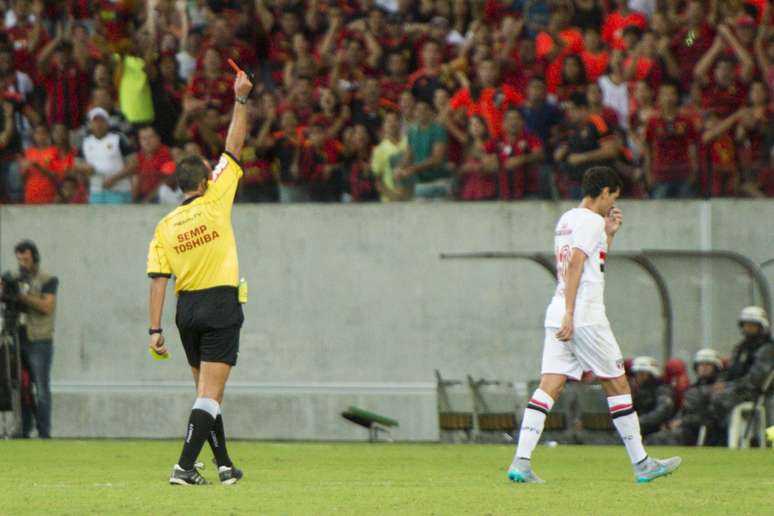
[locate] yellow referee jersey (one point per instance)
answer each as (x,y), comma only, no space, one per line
(195,242)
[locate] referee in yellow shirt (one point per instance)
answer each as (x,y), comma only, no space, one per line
(196,244)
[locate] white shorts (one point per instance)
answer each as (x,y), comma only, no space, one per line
(592,348)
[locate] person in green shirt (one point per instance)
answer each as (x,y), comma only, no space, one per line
(385,159)
(426,155)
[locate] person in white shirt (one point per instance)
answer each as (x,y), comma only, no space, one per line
(578,336)
(105,152)
(169,192)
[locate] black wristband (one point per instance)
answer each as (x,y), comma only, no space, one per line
(154,331)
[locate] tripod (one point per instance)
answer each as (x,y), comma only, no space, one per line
(10,375)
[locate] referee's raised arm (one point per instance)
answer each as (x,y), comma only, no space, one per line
(237,131)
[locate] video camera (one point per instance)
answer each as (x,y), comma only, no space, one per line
(9,300)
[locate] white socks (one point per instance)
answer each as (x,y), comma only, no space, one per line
(628,425)
(535,414)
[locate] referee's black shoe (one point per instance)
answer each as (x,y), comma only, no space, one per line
(229,475)
(182,477)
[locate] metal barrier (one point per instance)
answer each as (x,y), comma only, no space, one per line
(644,260)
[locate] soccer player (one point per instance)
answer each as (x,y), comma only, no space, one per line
(578,335)
(195,242)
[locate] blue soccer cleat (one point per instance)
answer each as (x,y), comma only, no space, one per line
(654,468)
(521,473)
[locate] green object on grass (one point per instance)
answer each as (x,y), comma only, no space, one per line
(370,416)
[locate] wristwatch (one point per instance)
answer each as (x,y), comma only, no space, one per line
(154,331)
(242,99)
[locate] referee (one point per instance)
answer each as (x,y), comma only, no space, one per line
(195,242)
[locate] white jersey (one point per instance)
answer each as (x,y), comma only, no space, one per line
(580,228)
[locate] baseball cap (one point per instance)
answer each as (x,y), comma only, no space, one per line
(168,168)
(98,112)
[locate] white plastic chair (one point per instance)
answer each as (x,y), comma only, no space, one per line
(754,415)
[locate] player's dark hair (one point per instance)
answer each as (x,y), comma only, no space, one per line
(190,172)
(596,179)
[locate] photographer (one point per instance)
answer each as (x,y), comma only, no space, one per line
(33,293)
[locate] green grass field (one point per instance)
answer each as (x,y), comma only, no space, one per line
(130,477)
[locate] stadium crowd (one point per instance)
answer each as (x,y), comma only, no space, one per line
(391,100)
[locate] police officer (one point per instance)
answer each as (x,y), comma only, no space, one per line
(696,412)
(751,362)
(654,400)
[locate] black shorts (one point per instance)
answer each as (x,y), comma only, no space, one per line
(209,322)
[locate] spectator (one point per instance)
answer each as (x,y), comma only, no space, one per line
(479,170)
(648,62)
(394,82)
(425,159)
(147,164)
(11,182)
(653,400)
(751,362)
(167,94)
(720,172)
(69,191)
(671,142)
(597,106)
(258,183)
(24,27)
(595,56)
(189,47)
(407,107)
(73,188)
(751,135)
(385,160)
(541,116)
(643,108)
(13,80)
(63,72)
(134,91)
(357,176)
(168,190)
(105,152)
(519,153)
(586,15)
(430,77)
(285,147)
(369,109)
(319,164)
(764,54)
(692,40)
(573,79)
(486,99)
(210,85)
(615,89)
(332,114)
(556,43)
(202,124)
(589,143)
(42,178)
(618,20)
(727,91)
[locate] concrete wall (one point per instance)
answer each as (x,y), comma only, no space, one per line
(351,305)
